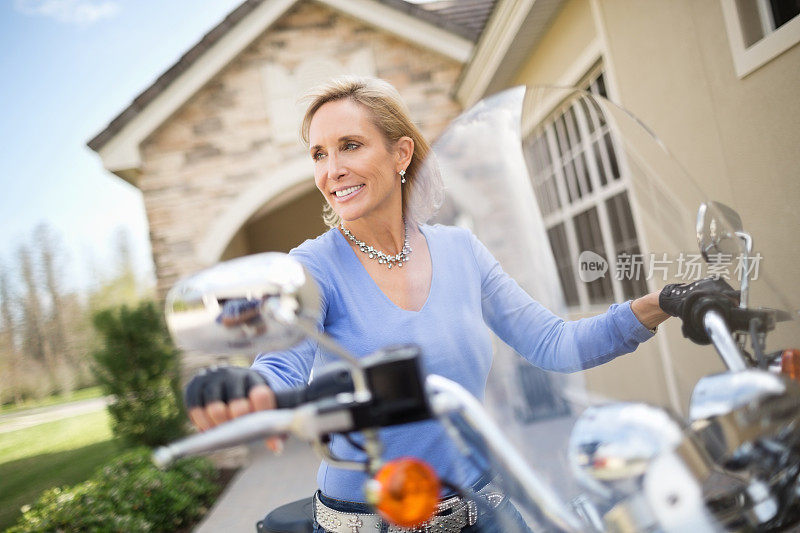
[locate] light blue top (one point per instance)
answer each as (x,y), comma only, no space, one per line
(469,290)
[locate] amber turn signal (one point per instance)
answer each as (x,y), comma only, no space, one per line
(405,492)
(790,363)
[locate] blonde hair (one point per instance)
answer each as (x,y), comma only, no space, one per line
(423,191)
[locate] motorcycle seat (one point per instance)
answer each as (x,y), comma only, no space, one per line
(295,517)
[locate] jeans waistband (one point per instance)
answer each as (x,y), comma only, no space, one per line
(344,506)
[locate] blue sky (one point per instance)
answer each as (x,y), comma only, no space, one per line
(69,67)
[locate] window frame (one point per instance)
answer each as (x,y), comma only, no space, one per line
(747,59)
(544,126)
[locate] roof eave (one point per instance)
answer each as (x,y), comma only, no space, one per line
(131,175)
(514,29)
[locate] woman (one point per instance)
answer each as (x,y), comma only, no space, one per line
(386,278)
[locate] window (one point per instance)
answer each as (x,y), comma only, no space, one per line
(759,30)
(577,180)
(759,18)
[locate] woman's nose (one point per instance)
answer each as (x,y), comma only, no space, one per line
(335,169)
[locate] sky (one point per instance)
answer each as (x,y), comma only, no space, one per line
(69,67)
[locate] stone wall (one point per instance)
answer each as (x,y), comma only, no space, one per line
(231,136)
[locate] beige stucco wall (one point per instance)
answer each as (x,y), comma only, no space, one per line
(221,144)
(738,137)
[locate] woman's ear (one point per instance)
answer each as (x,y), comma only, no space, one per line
(404,149)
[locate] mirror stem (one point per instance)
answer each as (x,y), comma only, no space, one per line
(748,246)
(359,379)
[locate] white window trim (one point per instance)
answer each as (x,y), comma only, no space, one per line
(576,72)
(747,60)
(566,214)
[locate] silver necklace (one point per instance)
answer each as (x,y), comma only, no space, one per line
(382,258)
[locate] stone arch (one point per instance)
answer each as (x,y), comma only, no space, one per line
(289,183)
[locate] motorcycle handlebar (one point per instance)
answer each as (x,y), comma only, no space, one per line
(332,415)
(716,327)
(249,427)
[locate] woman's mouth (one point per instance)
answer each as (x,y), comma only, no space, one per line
(344,194)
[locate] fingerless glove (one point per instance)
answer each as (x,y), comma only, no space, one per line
(221,384)
(674,296)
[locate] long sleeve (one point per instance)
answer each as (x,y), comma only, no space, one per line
(541,337)
(290,368)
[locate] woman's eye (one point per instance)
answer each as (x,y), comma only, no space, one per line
(316,156)
(351,146)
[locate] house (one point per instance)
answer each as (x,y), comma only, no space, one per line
(213,143)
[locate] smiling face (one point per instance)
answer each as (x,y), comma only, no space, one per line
(353,168)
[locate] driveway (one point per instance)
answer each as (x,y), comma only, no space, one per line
(266,483)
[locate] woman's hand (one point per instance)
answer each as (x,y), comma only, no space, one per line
(219,394)
(648,311)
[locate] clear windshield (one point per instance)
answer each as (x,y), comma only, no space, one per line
(584,206)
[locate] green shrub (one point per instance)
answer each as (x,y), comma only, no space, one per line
(127,494)
(138,365)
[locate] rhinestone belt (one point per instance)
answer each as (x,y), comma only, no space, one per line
(462,514)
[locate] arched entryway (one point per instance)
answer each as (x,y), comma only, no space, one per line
(280,225)
(277,213)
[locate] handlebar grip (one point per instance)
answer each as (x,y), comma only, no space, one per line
(694,311)
(289,399)
(328,384)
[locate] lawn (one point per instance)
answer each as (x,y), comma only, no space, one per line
(57,453)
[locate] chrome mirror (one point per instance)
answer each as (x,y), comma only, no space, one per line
(718,229)
(611,446)
(721,238)
(257,303)
(250,303)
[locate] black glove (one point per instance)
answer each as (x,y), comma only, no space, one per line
(221,384)
(674,296)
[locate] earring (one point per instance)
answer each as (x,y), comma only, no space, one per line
(402,176)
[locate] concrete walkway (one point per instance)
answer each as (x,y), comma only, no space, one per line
(41,415)
(266,483)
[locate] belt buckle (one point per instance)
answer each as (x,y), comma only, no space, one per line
(448,504)
(469,507)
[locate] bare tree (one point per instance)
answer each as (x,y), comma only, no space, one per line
(34,343)
(51,261)
(8,341)
(33,330)
(124,251)
(122,287)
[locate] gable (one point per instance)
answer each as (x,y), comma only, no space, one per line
(119,144)
(249,112)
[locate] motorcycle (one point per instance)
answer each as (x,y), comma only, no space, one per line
(592,463)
